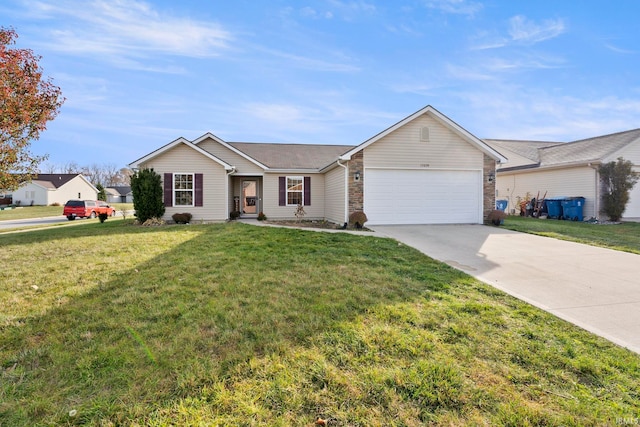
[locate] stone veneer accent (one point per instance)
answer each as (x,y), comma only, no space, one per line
(488,188)
(356,188)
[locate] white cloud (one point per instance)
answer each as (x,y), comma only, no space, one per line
(127,29)
(515,112)
(525,31)
(620,50)
(460,7)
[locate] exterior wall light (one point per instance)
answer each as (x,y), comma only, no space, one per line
(356,176)
(491,176)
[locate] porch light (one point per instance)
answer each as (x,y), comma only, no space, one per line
(491,176)
(356,176)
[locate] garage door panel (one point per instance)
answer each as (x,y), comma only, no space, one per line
(422,197)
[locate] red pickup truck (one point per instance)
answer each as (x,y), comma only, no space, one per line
(86,209)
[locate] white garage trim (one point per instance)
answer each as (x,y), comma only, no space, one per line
(423,196)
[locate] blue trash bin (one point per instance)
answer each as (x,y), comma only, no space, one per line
(554,207)
(572,208)
(501,205)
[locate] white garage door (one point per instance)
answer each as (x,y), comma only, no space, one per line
(422,196)
(633,207)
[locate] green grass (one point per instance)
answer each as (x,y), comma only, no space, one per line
(232,324)
(623,237)
(25,212)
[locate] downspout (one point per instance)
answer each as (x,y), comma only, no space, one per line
(596,202)
(226,195)
(346,191)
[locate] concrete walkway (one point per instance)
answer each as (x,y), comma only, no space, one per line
(597,289)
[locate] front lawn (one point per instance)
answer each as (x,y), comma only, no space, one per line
(233,324)
(624,236)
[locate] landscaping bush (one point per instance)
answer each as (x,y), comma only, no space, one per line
(496,216)
(357,219)
(234,215)
(146,186)
(262,216)
(103,217)
(182,218)
(618,179)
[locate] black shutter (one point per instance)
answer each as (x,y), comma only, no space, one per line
(198,188)
(282,191)
(168,190)
(307,191)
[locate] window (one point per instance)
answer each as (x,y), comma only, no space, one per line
(183,189)
(295,190)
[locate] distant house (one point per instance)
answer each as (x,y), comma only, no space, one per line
(119,194)
(565,169)
(425,169)
(50,189)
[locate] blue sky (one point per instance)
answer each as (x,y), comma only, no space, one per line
(139,74)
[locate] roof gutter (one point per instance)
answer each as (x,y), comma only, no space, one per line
(536,166)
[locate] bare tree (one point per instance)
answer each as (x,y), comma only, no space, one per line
(71,167)
(110,174)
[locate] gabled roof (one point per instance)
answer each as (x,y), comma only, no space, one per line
(122,190)
(447,122)
(588,150)
(554,154)
(209,135)
(292,156)
(55,180)
(175,143)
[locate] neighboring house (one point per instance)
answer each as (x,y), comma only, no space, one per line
(50,189)
(565,169)
(424,169)
(119,194)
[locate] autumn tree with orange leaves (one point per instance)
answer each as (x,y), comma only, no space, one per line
(27,102)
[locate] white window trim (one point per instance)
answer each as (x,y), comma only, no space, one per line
(193,190)
(286,184)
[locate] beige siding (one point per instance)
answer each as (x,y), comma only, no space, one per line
(569,182)
(243,166)
(403,148)
(270,198)
(44,197)
(335,195)
(71,189)
(183,159)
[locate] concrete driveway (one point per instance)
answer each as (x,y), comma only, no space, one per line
(594,288)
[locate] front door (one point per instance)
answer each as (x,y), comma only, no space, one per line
(249,201)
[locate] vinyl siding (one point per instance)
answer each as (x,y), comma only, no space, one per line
(243,166)
(404,149)
(568,182)
(45,197)
(270,198)
(71,189)
(334,195)
(183,159)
